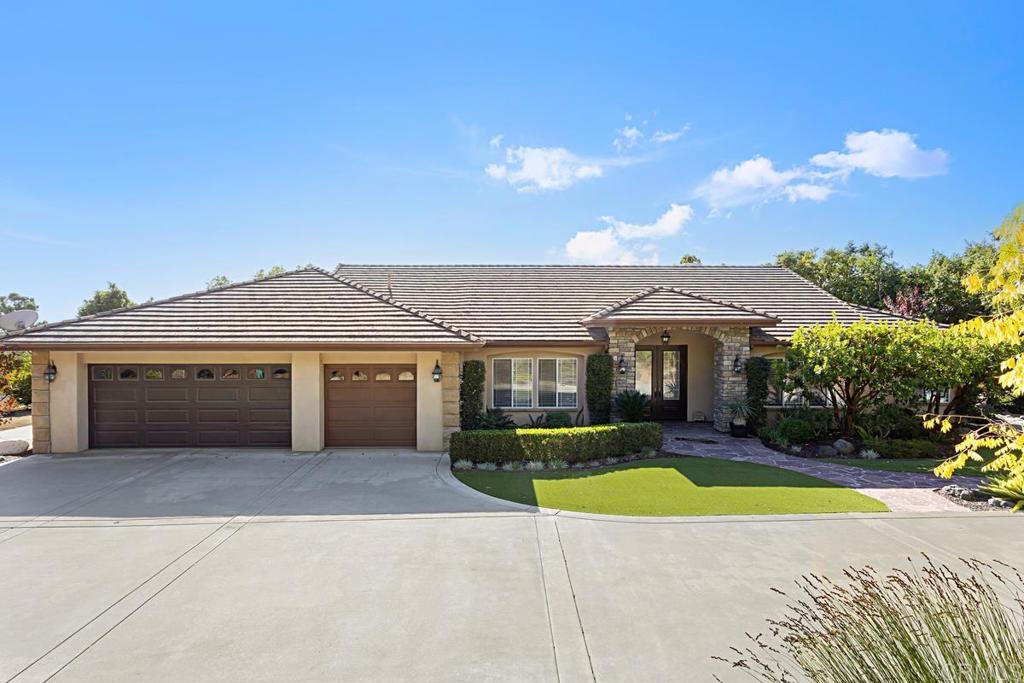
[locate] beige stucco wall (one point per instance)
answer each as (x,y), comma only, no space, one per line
(68,404)
(523,415)
(700,379)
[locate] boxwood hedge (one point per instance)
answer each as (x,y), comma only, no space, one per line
(573,444)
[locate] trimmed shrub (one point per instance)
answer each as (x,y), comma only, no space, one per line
(758,370)
(600,376)
(794,430)
(632,406)
(471,394)
(558,419)
(893,421)
(462,464)
(904,448)
(573,444)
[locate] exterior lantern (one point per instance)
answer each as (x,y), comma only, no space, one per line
(50,373)
(666,337)
(622,365)
(437,371)
(738,364)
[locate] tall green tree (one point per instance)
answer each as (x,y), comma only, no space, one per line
(17,302)
(109,299)
(862,274)
(941,283)
(218,281)
(263,275)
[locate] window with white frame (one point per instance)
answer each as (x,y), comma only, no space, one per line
(557,382)
(512,382)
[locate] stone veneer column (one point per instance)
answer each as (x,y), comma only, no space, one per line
(622,344)
(40,403)
(451,371)
(730,342)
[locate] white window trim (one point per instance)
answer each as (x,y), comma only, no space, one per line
(512,382)
(558,382)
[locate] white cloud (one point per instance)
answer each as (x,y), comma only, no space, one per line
(620,243)
(816,193)
(661,136)
(887,154)
(751,181)
(496,140)
(668,224)
(533,169)
(629,137)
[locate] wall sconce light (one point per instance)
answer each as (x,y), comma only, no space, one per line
(436,371)
(738,364)
(50,373)
(622,365)
(666,337)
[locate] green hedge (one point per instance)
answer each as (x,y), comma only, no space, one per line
(600,373)
(471,394)
(573,444)
(758,369)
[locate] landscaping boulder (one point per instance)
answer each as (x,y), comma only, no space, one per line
(825,451)
(16,447)
(999,503)
(844,447)
(961,492)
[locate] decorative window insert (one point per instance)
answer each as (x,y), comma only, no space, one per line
(406,376)
(382,377)
(336,376)
(512,382)
(557,379)
(179,373)
(153,374)
(205,374)
(230,373)
(360,376)
(102,374)
(128,374)
(255,373)
(281,373)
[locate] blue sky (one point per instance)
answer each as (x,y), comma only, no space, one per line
(157,145)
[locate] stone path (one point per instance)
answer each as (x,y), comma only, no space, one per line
(901,491)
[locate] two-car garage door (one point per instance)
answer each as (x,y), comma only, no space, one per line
(189,405)
(132,406)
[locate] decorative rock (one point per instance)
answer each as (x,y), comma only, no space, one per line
(825,452)
(795,450)
(961,492)
(843,446)
(13,447)
(999,503)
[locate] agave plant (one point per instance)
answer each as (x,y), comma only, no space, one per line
(632,406)
(1009,487)
(741,410)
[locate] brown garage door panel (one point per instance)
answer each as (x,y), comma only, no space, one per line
(233,405)
(379,410)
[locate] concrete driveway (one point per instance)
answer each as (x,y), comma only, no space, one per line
(377,566)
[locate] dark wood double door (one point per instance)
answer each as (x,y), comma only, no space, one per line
(661,374)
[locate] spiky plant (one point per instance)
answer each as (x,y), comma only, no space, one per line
(928,624)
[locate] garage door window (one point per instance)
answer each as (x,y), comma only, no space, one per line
(382,377)
(359,376)
(153,374)
(205,374)
(255,373)
(179,373)
(336,376)
(282,373)
(102,374)
(230,373)
(406,376)
(128,374)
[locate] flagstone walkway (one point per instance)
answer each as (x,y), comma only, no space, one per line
(901,491)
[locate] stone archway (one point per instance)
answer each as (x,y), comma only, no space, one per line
(730,343)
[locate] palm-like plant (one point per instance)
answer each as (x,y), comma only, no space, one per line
(632,406)
(741,410)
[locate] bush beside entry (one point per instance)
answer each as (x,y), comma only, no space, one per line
(600,375)
(471,393)
(574,444)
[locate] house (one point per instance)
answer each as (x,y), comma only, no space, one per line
(370,355)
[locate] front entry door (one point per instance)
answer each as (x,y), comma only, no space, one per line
(661,374)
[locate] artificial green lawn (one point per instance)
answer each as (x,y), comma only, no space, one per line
(922,465)
(673,486)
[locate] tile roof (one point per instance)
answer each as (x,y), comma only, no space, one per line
(307,307)
(671,305)
(547,304)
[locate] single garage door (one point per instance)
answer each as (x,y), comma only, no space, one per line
(370,405)
(132,406)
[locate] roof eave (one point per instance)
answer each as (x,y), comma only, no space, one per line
(252,346)
(632,322)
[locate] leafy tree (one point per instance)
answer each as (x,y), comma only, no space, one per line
(218,281)
(941,283)
(109,299)
(1003,435)
(17,302)
(854,367)
(910,303)
(862,274)
(688,259)
(263,275)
